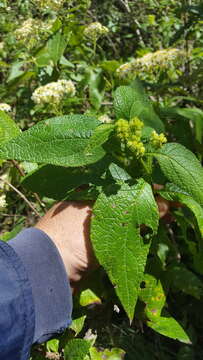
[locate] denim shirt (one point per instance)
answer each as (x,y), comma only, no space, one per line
(35,295)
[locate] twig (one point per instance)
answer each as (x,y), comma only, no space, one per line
(21,172)
(21,195)
(125,6)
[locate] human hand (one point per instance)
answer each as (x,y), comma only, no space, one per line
(68,225)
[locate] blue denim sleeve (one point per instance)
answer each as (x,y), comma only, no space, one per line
(35,299)
(50,286)
(16,307)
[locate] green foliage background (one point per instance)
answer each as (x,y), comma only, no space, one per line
(166,277)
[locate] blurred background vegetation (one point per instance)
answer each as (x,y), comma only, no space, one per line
(40,44)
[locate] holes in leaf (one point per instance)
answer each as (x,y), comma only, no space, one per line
(146,233)
(143,285)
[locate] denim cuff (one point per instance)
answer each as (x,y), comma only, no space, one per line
(46,272)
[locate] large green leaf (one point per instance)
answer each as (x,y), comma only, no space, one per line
(130,102)
(56,181)
(182,168)
(168,326)
(116,238)
(8,128)
(76,349)
(152,294)
(64,140)
(172,193)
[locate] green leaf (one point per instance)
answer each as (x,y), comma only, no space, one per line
(113,354)
(184,280)
(146,113)
(56,46)
(53,50)
(124,98)
(76,349)
(119,248)
(16,229)
(88,297)
(64,140)
(16,71)
(96,86)
(44,179)
(77,324)
(8,128)
(152,294)
(169,327)
(100,135)
(118,173)
(52,345)
(172,193)
(193,114)
(133,102)
(182,168)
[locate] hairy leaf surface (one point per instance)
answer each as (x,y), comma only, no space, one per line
(182,168)
(8,128)
(131,102)
(174,194)
(115,234)
(44,179)
(76,349)
(64,140)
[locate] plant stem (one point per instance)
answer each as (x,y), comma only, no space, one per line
(21,172)
(21,195)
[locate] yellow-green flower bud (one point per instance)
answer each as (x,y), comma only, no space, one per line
(122,129)
(136,124)
(157,140)
(136,147)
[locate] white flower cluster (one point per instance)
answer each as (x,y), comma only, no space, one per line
(49,4)
(31,29)
(53,92)
(5,107)
(94,30)
(105,119)
(3,203)
(161,59)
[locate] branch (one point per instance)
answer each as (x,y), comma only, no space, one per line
(21,195)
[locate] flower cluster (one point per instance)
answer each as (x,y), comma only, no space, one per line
(1,45)
(31,29)
(3,203)
(5,107)
(49,4)
(105,119)
(130,132)
(94,30)
(53,92)
(157,140)
(161,59)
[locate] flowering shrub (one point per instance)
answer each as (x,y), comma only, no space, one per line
(133,147)
(53,92)
(153,62)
